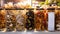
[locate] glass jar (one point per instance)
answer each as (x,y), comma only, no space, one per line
(57,19)
(51,19)
(29,20)
(2,20)
(20,25)
(11,20)
(41,20)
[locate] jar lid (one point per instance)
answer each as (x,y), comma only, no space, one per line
(40,9)
(50,8)
(29,8)
(58,9)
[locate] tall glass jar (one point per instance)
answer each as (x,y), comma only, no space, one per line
(57,19)
(29,20)
(51,19)
(11,20)
(41,19)
(20,25)
(2,20)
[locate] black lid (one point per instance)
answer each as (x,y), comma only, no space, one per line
(39,9)
(19,8)
(29,8)
(14,8)
(58,8)
(50,8)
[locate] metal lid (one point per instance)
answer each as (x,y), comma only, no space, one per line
(50,8)
(40,9)
(58,9)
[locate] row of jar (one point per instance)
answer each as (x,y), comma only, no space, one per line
(27,20)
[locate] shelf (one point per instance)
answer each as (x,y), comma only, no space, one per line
(28,8)
(29,32)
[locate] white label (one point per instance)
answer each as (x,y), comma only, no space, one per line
(51,21)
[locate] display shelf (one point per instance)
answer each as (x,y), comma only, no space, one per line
(29,32)
(29,8)
(26,8)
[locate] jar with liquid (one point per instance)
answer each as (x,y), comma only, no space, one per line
(2,20)
(40,20)
(51,19)
(20,25)
(29,20)
(11,21)
(57,19)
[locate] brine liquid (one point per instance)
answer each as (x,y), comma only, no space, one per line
(2,20)
(30,20)
(41,21)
